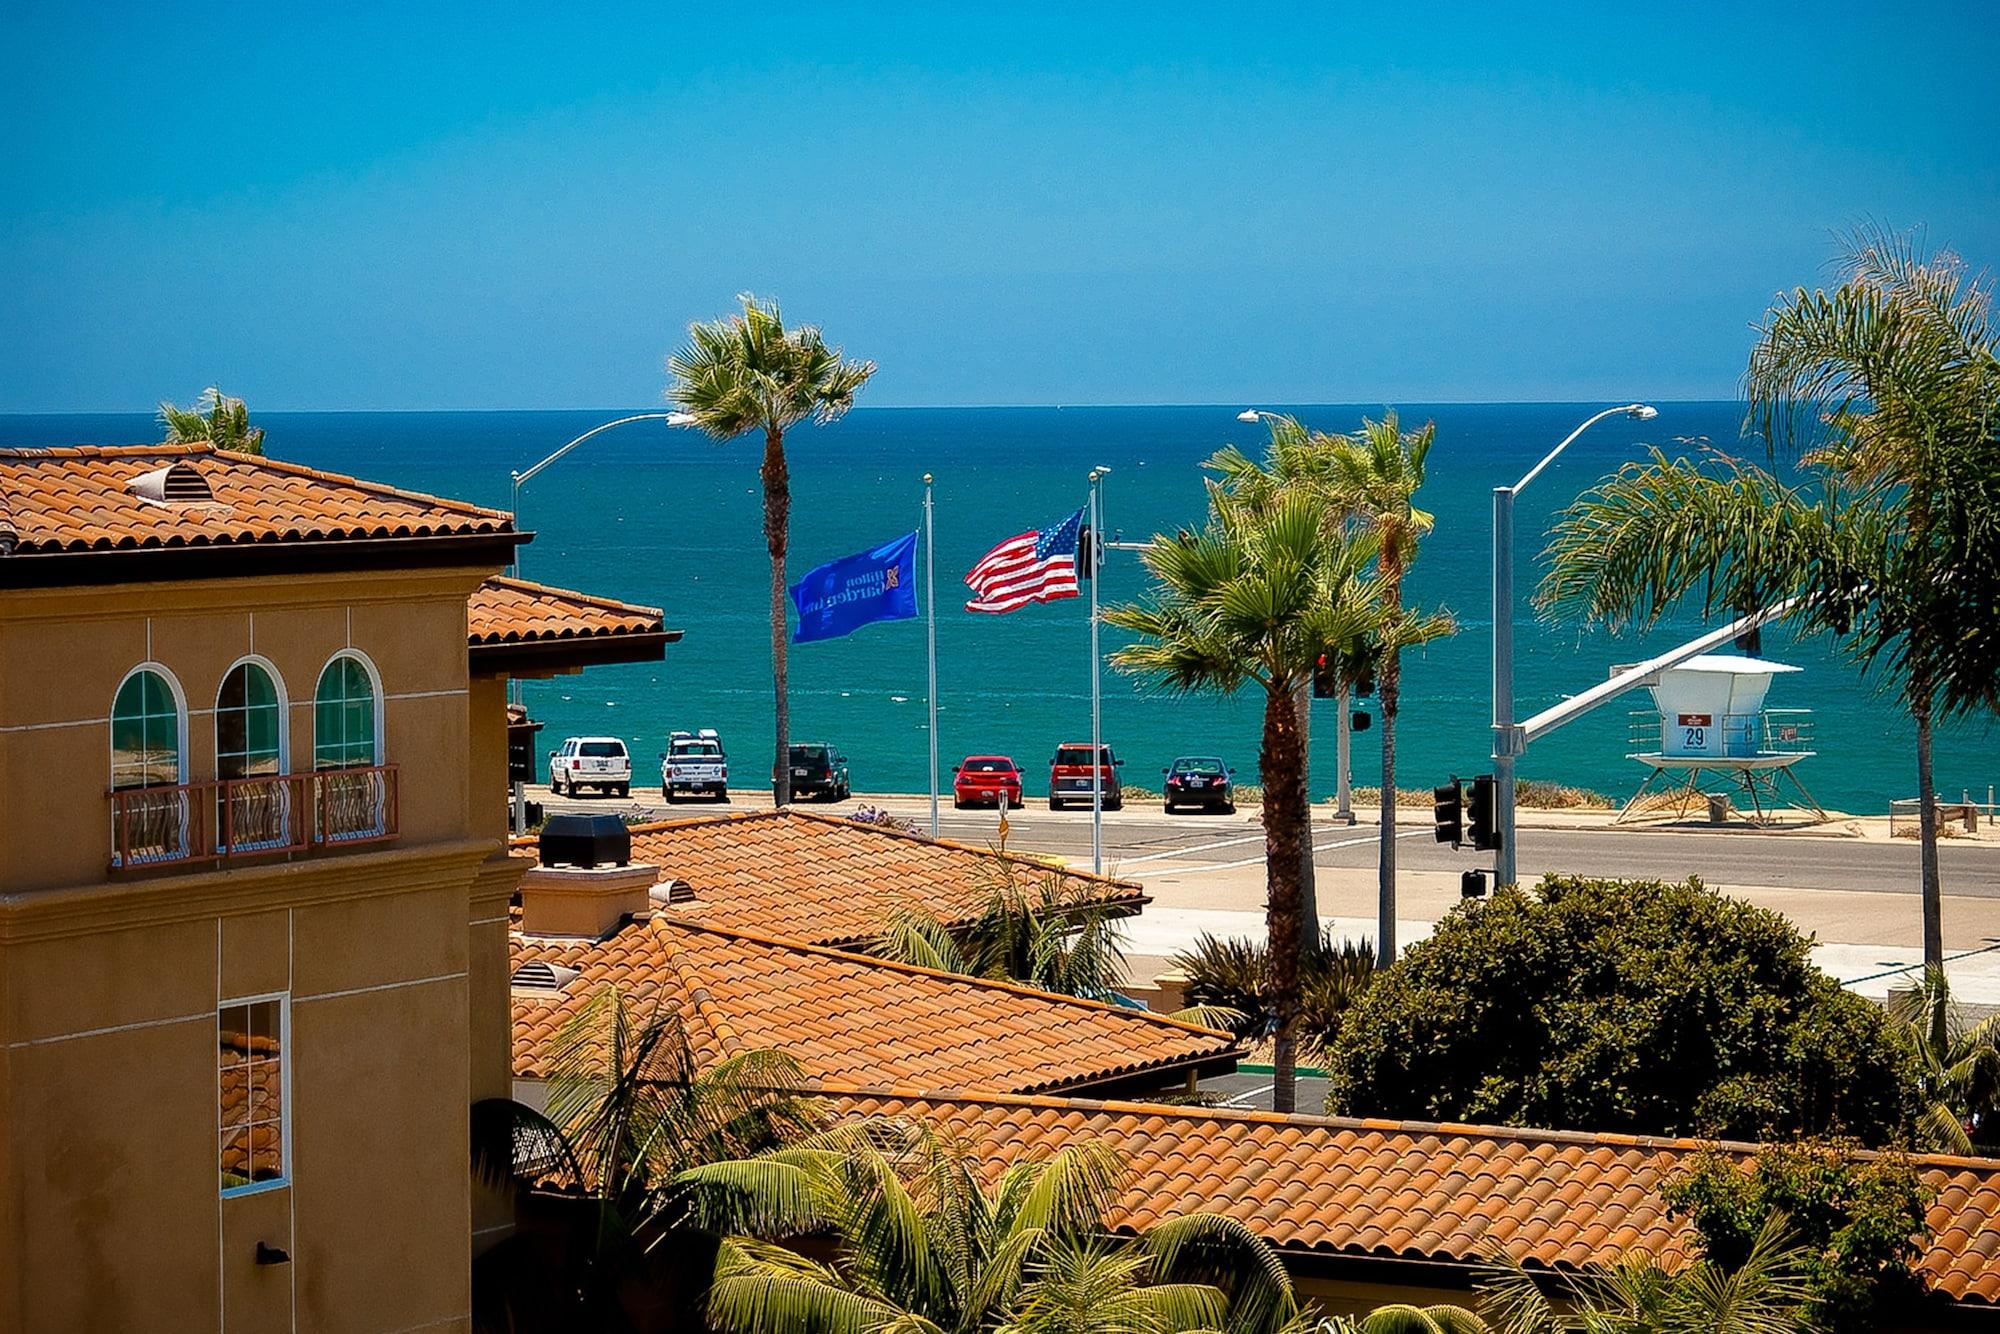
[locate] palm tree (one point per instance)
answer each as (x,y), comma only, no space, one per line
(1056,934)
(1769,1293)
(1887,392)
(1378,471)
(1960,1067)
(748,372)
(919,1242)
(1254,599)
(215,417)
(629,1110)
(1401,1318)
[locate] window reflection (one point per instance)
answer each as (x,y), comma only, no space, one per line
(251,1089)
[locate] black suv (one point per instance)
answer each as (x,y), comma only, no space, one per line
(818,770)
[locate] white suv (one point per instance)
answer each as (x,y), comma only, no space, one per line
(590,761)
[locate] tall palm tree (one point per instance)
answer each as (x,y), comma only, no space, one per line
(1960,1067)
(919,1242)
(215,417)
(1887,392)
(748,372)
(1254,599)
(629,1110)
(1295,459)
(1378,471)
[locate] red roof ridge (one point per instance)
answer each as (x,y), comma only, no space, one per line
(666,919)
(181,448)
(1314,1121)
(530,586)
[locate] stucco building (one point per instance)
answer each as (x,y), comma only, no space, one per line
(254,886)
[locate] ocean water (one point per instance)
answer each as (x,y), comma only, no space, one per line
(669,518)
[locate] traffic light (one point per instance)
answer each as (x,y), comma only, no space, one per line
(1472,884)
(1326,678)
(1447,812)
(1482,814)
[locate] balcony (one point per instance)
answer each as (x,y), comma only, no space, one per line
(235,819)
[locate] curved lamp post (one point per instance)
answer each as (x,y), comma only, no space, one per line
(521,478)
(1508,742)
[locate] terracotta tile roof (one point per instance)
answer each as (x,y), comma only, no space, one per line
(802,875)
(1404,1190)
(82,499)
(850,1019)
(514,611)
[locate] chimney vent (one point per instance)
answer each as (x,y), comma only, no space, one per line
(176,484)
(585,840)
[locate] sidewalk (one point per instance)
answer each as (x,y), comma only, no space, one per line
(1868,970)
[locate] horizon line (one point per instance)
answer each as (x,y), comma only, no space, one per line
(911,407)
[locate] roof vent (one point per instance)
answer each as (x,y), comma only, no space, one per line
(540,975)
(670,892)
(176,484)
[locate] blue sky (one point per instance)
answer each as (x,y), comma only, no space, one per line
(342,206)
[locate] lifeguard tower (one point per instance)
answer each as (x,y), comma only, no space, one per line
(1709,736)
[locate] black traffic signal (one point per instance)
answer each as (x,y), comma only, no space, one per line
(1447,812)
(1326,677)
(1482,825)
(1472,884)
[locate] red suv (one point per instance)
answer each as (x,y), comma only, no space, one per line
(983,779)
(1069,776)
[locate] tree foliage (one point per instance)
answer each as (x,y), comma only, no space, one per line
(909,1235)
(1857,1223)
(1632,1006)
(1234,974)
(1766,1290)
(215,417)
(1254,599)
(1051,932)
(1959,1065)
(749,372)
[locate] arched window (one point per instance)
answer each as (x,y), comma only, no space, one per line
(147,744)
(249,724)
(249,745)
(344,716)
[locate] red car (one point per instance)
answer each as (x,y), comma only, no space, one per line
(982,779)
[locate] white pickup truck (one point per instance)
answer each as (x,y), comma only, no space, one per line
(694,763)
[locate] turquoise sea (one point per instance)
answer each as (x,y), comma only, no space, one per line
(669,518)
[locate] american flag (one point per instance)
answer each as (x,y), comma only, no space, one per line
(1037,566)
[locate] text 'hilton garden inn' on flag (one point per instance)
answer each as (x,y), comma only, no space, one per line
(841,596)
(1037,566)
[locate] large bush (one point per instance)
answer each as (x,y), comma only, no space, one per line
(1860,1224)
(1233,973)
(1631,1006)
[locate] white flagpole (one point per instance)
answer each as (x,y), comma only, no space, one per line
(1096,701)
(930,616)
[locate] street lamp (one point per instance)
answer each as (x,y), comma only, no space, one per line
(521,478)
(1508,742)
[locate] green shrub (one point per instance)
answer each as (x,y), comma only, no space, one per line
(1229,973)
(1860,1223)
(1633,1006)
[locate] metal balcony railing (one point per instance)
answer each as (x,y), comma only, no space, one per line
(1769,732)
(228,819)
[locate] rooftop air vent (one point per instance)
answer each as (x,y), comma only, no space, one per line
(586,841)
(176,484)
(540,975)
(670,892)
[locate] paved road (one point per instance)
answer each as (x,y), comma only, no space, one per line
(1139,838)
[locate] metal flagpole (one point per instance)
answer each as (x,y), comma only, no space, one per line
(1096,701)
(930,616)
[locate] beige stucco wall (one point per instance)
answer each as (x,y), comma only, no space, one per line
(392,956)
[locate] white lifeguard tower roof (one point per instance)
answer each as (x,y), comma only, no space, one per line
(1733,664)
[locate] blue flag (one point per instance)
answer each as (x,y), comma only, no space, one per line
(841,596)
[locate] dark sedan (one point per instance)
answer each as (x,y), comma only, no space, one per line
(1200,780)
